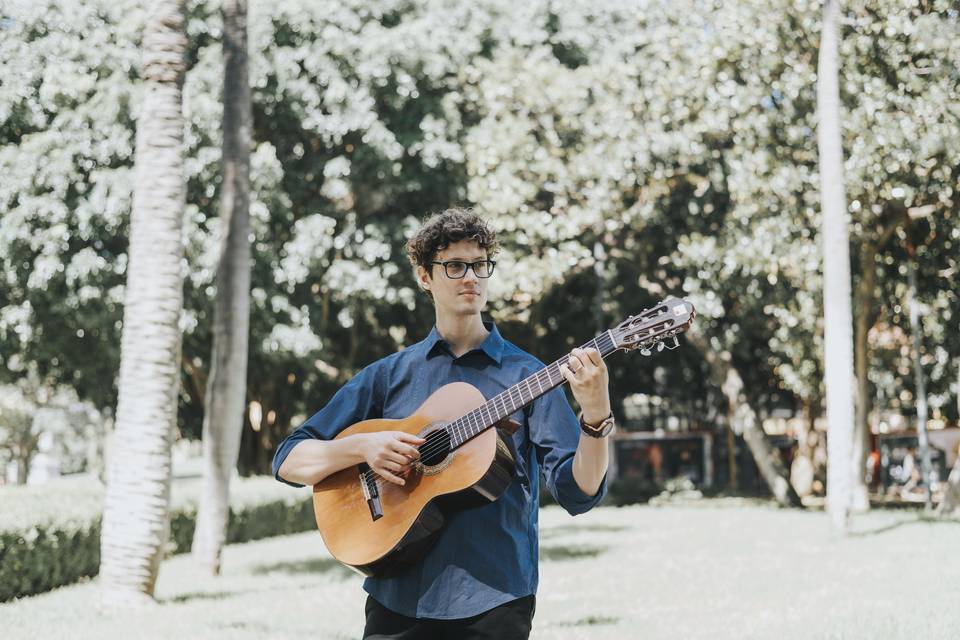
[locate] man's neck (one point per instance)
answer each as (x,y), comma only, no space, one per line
(462,333)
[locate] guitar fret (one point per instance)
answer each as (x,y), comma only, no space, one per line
(510,400)
(470,425)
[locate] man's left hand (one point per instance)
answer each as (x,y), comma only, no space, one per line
(586,372)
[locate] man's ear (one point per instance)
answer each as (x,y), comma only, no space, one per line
(423,278)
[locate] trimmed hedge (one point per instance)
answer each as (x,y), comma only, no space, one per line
(50,535)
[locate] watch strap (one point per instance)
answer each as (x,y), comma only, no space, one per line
(600,430)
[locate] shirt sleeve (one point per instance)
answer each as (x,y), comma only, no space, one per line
(555,433)
(359,399)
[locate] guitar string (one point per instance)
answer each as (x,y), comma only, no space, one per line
(433,449)
(440,446)
(376,477)
(369,475)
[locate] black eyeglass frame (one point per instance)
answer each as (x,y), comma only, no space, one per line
(468,265)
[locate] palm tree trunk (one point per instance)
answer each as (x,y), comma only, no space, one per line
(226,390)
(838,321)
(136,508)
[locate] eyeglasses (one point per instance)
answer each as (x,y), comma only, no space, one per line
(456,269)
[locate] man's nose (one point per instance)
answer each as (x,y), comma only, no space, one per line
(471,274)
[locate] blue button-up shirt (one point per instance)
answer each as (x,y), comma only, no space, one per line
(485,556)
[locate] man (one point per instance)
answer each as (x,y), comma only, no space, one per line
(479,579)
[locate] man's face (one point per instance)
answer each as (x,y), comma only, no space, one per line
(456,297)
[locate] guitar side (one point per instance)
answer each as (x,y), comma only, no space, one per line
(476,473)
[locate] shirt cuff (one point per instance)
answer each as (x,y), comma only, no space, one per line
(282,452)
(569,494)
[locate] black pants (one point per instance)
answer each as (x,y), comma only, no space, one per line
(509,621)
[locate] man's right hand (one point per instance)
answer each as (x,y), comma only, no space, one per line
(390,453)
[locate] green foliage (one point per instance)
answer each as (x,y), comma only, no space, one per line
(41,558)
(51,538)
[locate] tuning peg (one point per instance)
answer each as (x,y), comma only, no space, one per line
(644,351)
(660,347)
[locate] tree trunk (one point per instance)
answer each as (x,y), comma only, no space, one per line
(225,393)
(732,483)
(860,499)
(951,499)
(838,321)
(136,505)
(803,469)
(743,419)
(866,317)
(917,330)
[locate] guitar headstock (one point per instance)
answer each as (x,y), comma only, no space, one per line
(657,326)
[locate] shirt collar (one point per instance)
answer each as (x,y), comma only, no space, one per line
(492,345)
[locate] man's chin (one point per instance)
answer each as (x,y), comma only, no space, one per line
(472,308)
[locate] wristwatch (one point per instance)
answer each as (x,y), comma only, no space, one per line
(600,430)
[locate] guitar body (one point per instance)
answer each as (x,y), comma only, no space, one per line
(474,474)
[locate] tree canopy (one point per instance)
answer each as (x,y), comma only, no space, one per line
(624,152)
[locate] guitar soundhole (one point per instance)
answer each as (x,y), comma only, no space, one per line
(436,448)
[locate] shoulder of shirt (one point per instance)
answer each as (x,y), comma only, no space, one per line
(519,356)
(406,352)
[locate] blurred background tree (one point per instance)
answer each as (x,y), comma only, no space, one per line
(225,397)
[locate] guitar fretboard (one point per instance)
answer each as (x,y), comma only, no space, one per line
(518,396)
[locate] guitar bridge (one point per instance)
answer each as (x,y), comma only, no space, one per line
(368,484)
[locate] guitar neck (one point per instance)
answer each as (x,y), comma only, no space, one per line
(519,395)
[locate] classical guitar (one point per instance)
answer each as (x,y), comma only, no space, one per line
(376,527)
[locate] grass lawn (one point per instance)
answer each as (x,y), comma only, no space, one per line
(723,569)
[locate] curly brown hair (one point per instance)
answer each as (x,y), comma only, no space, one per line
(441,230)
